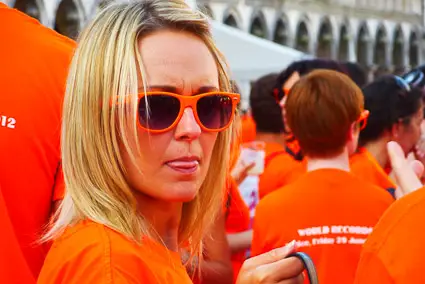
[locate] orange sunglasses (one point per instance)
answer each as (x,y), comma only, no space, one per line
(276,94)
(362,120)
(161,111)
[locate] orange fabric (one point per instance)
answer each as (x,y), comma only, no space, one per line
(248,129)
(237,221)
(281,170)
(92,253)
(13,267)
(293,146)
(395,250)
(33,69)
(364,166)
(329,213)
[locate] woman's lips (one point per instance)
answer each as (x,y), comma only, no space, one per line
(184,166)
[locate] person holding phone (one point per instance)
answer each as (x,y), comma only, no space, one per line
(147,125)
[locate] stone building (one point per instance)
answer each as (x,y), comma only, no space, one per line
(382,35)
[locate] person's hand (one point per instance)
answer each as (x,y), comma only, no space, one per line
(240,171)
(407,174)
(272,267)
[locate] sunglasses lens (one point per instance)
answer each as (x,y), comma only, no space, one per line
(158,112)
(215,111)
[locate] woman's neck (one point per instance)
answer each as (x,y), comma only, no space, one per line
(164,217)
(340,162)
(378,149)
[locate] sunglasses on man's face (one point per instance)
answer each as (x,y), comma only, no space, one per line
(276,94)
(414,78)
(161,111)
(402,83)
(362,120)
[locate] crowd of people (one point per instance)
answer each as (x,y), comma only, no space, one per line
(126,159)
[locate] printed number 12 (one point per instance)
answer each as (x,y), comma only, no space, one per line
(8,122)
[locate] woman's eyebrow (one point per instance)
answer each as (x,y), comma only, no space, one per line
(175,90)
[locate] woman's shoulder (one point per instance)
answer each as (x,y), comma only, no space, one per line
(89,252)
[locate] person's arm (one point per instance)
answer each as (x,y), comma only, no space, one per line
(13,266)
(239,241)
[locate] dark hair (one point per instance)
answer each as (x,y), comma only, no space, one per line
(320,111)
(388,102)
(356,72)
(303,67)
(265,110)
(235,89)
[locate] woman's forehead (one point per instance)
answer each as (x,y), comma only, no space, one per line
(178,59)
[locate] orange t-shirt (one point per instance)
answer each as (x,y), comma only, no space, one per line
(394,252)
(237,221)
(364,166)
(248,129)
(13,266)
(329,213)
(93,253)
(280,169)
(34,64)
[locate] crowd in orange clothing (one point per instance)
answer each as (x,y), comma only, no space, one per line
(315,165)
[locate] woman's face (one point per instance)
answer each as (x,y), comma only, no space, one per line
(172,165)
(410,134)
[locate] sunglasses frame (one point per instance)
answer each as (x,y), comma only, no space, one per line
(276,94)
(190,101)
(402,83)
(414,78)
(362,120)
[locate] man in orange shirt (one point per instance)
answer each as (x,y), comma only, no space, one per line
(328,211)
(284,83)
(279,167)
(396,114)
(34,64)
(393,253)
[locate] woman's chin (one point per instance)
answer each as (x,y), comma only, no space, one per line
(183,192)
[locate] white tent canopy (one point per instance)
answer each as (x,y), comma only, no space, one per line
(251,57)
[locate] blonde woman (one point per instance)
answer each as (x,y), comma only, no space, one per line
(146,127)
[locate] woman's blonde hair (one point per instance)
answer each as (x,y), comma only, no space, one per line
(105,68)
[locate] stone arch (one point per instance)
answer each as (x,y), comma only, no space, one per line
(259,25)
(380,52)
(344,42)
(281,33)
(232,18)
(325,39)
(398,50)
(33,8)
(206,9)
(363,45)
(414,49)
(302,36)
(69,18)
